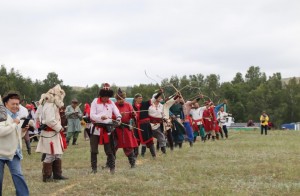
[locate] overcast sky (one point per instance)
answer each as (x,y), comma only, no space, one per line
(94,41)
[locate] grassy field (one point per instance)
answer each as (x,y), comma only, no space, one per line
(245,164)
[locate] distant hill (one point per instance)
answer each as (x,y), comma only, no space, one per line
(77,88)
(286,80)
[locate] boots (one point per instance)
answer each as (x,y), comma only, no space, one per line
(74,141)
(111,163)
(143,151)
(180,145)
(57,171)
(43,157)
(152,150)
(47,172)
(28,146)
(94,162)
(191,144)
(131,159)
(136,152)
(163,150)
(106,166)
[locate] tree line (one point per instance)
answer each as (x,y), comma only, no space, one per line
(247,95)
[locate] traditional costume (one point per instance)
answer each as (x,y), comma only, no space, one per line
(187,106)
(178,130)
(144,132)
(156,120)
(209,120)
(87,120)
(52,140)
(102,110)
(197,114)
(124,133)
(74,115)
(222,120)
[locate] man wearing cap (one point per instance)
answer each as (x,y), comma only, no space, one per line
(144,131)
(11,142)
(124,132)
(102,109)
(74,115)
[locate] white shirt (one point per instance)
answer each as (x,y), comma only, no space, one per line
(197,114)
(99,110)
(222,117)
(156,111)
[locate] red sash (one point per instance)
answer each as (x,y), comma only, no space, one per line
(63,138)
(104,138)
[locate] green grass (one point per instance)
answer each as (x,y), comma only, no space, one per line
(246,164)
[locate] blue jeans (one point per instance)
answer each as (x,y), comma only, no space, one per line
(17,176)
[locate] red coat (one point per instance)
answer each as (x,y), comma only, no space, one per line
(125,136)
(208,120)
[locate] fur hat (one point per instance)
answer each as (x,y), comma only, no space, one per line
(120,94)
(106,91)
(54,95)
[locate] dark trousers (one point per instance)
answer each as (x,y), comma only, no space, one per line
(262,128)
(94,142)
(110,152)
(224,127)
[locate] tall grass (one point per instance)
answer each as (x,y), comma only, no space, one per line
(245,164)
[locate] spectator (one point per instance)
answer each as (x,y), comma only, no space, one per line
(11,145)
(264,121)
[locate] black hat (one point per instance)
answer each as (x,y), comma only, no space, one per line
(11,94)
(106,91)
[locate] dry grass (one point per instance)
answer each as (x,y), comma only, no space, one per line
(245,164)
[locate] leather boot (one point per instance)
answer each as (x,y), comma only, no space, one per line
(74,141)
(94,162)
(152,150)
(47,172)
(111,163)
(143,151)
(131,159)
(136,152)
(28,146)
(180,145)
(57,171)
(43,157)
(163,150)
